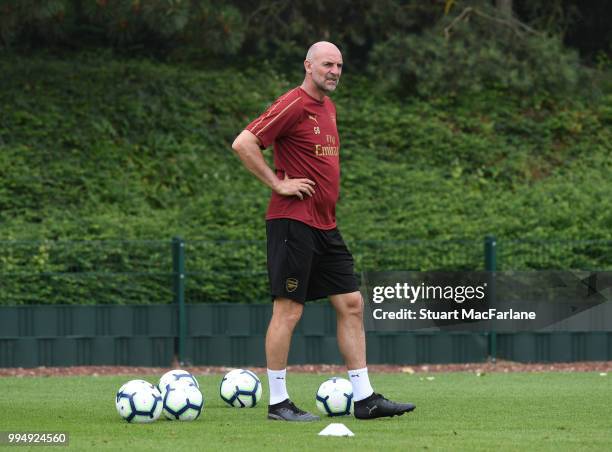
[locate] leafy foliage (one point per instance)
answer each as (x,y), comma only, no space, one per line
(272,29)
(474,51)
(130,153)
(130,24)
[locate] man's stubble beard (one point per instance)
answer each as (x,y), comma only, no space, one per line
(325,88)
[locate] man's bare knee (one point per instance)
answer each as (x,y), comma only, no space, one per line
(348,304)
(286,311)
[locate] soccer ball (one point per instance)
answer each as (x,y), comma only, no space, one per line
(335,397)
(138,401)
(182,401)
(240,388)
(176,375)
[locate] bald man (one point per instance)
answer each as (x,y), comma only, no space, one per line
(307,257)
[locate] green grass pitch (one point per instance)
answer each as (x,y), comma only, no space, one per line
(455,411)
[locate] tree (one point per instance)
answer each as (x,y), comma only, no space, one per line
(504,7)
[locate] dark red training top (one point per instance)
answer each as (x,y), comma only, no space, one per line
(306,144)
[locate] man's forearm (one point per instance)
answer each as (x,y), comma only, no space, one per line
(254,161)
(246,145)
(252,158)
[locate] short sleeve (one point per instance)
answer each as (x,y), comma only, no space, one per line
(278,119)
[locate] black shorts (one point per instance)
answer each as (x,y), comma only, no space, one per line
(305,263)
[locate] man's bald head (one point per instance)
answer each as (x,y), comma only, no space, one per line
(322,47)
(323,67)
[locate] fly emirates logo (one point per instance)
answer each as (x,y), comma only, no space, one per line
(328,149)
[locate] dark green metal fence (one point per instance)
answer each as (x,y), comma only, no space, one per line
(144,302)
(233,335)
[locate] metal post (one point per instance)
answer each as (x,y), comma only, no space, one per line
(490,253)
(178,288)
(490,249)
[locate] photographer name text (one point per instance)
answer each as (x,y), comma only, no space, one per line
(455,314)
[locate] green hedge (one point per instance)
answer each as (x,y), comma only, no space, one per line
(99,148)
